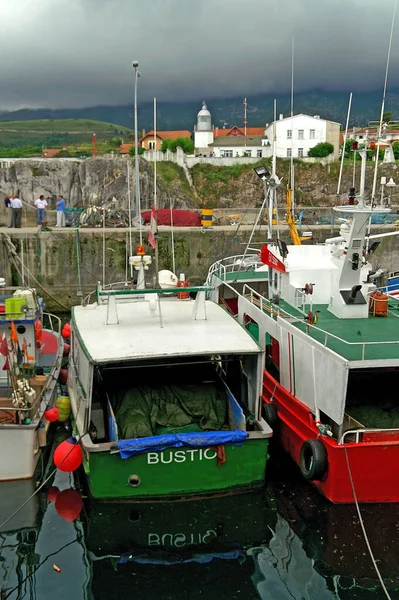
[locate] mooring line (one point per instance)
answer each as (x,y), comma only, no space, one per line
(366,539)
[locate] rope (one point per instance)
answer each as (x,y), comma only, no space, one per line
(40,486)
(366,539)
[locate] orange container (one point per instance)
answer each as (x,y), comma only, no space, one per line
(378,304)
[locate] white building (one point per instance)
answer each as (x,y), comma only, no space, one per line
(203,130)
(241,146)
(296,135)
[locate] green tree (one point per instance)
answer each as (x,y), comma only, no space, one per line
(185,143)
(321,150)
(132,151)
(387,116)
(395,148)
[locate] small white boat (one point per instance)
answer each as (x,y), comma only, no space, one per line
(31,350)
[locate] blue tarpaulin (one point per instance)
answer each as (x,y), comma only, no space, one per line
(201,558)
(203,439)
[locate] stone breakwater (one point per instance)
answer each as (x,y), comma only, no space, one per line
(52,258)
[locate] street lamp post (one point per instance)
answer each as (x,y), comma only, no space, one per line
(135,64)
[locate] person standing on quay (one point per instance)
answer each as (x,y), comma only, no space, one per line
(16,210)
(60,209)
(41,205)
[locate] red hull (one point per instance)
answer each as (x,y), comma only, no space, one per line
(374,462)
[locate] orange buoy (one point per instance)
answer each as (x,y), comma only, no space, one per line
(51,414)
(39,334)
(52,493)
(68,455)
(67,349)
(63,376)
(66,331)
(378,305)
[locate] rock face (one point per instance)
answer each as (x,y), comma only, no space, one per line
(88,182)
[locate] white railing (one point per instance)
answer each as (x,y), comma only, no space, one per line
(302,302)
(230,264)
(54,322)
(358,433)
(275,311)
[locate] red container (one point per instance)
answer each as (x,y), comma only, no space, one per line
(2,309)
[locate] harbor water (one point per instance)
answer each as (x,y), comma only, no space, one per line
(282,542)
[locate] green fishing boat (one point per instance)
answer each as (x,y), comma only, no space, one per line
(166,396)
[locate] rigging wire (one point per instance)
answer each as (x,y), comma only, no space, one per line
(383,104)
(344,146)
(366,539)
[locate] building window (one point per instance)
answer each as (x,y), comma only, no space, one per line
(151,145)
(289,152)
(312,134)
(300,152)
(300,134)
(259,153)
(227,153)
(289,134)
(248,153)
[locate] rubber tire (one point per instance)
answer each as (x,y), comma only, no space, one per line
(313,460)
(269,413)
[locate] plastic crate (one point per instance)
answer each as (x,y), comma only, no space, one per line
(14,307)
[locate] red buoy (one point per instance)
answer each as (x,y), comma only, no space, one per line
(67,349)
(63,376)
(68,455)
(66,331)
(51,414)
(69,504)
(52,493)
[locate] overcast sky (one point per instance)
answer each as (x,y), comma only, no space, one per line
(74,53)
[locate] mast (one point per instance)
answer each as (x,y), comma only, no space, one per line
(155,188)
(292,176)
(245,122)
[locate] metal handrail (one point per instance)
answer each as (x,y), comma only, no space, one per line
(56,327)
(276,310)
(359,432)
(229,265)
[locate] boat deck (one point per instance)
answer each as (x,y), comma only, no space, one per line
(375,338)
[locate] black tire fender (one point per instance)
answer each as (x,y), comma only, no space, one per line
(269,413)
(313,460)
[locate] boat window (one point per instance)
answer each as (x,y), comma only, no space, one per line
(21,329)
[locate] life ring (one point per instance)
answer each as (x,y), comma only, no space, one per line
(269,413)
(313,460)
(39,334)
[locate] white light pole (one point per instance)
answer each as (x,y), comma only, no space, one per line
(135,64)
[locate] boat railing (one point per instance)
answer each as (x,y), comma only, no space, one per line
(231,264)
(104,294)
(358,434)
(52,322)
(302,302)
(266,305)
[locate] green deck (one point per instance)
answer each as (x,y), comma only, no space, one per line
(183,472)
(375,338)
(244,275)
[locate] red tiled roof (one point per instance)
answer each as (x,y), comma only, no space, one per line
(51,152)
(124,148)
(239,131)
(168,135)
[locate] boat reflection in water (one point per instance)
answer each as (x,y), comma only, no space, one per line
(283,544)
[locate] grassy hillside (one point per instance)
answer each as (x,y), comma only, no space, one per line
(56,133)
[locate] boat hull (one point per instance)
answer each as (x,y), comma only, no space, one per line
(19,452)
(176,473)
(373,463)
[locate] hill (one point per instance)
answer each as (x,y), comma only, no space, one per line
(227,111)
(56,132)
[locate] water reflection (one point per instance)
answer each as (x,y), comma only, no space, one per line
(282,543)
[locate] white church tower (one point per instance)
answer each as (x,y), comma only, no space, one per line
(203,131)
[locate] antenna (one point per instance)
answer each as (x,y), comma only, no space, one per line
(245,122)
(383,105)
(292,176)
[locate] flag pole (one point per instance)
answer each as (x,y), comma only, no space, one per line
(155,189)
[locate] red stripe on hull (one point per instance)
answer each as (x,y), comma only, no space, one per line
(374,463)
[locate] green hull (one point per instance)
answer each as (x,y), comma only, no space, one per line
(177,472)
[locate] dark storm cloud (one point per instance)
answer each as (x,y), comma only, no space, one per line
(71,53)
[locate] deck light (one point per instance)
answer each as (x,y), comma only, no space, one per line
(262,172)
